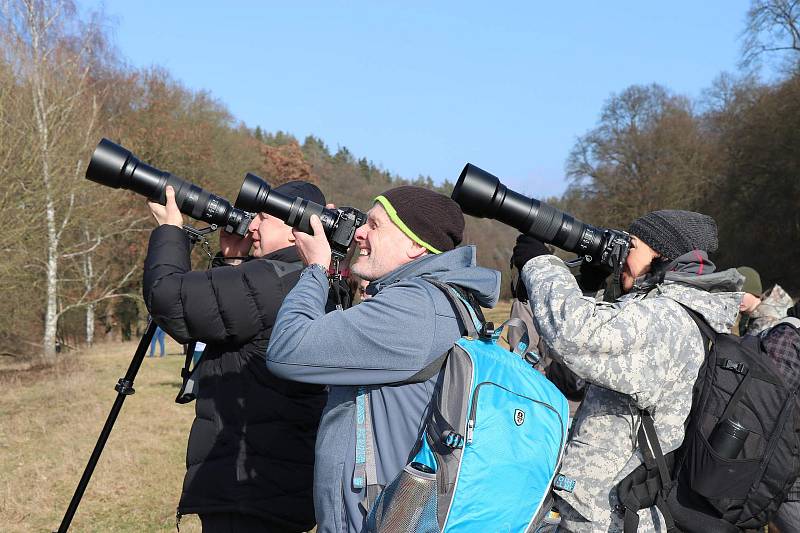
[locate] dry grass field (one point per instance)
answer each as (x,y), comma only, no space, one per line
(50,418)
(49,421)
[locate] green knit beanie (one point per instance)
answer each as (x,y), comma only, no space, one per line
(752,281)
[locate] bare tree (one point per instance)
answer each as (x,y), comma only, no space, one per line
(646,153)
(52,54)
(772,26)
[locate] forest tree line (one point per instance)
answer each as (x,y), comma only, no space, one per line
(72,250)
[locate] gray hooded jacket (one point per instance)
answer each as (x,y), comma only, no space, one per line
(388,338)
(642,352)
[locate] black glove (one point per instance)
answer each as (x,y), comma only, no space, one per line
(592,277)
(525,249)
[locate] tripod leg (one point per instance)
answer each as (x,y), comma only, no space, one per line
(124,387)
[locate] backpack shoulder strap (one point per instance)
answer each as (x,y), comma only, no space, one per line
(707,331)
(653,490)
(465,313)
(467,319)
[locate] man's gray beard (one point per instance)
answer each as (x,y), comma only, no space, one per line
(355,270)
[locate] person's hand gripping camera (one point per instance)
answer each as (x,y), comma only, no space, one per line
(314,249)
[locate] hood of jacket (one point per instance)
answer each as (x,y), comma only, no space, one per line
(692,280)
(458,267)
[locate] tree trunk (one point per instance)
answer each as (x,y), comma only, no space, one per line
(89,324)
(51,310)
(88,283)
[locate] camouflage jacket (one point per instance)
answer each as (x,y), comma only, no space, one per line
(772,308)
(641,352)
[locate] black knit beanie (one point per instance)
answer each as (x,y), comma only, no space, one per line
(303,189)
(428,218)
(673,233)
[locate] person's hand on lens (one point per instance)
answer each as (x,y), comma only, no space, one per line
(313,249)
(169,213)
(527,248)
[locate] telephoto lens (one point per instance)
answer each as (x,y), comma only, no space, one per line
(340,224)
(114,166)
(481,194)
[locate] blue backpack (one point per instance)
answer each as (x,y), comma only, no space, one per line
(491,445)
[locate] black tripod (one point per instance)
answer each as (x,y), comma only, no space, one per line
(124,387)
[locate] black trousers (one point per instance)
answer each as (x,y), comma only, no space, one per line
(238,523)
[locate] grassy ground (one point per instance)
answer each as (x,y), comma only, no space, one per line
(50,418)
(49,421)
(498,315)
(500,312)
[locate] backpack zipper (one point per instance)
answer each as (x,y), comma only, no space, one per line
(474,408)
(775,437)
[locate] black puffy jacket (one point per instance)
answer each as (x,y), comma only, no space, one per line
(251,447)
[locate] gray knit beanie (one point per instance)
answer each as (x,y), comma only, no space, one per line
(673,233)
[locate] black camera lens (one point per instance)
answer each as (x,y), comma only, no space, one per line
(481,194)
(114,166)
(257,196)
(339,224)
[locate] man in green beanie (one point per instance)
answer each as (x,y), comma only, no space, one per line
(759,310)
(363,352)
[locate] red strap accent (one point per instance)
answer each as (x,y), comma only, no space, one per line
(345,273)
(700,258)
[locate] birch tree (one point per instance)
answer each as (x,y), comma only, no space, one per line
(53,54)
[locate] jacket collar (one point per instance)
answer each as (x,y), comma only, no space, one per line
(457,266)
(287,255)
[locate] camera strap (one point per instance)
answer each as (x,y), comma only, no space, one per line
(619,255)
(341,294)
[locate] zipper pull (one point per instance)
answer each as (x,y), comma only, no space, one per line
(470,429)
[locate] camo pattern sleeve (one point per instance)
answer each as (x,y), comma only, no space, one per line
(624,346)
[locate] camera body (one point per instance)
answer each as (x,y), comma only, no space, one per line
(340,224)
(114,166)
(349,219)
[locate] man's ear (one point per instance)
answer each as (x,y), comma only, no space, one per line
(415,250)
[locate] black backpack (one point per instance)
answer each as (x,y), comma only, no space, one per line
(741,449)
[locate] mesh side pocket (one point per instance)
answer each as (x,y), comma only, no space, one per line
(406,505)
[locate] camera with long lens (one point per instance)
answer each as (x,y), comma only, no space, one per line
(114,166)
(340,224)
(481,194)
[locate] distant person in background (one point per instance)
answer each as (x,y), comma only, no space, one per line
(198,352)
(759,311)
(159,337)
(361,289)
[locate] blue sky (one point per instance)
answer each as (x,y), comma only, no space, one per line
(421,88)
